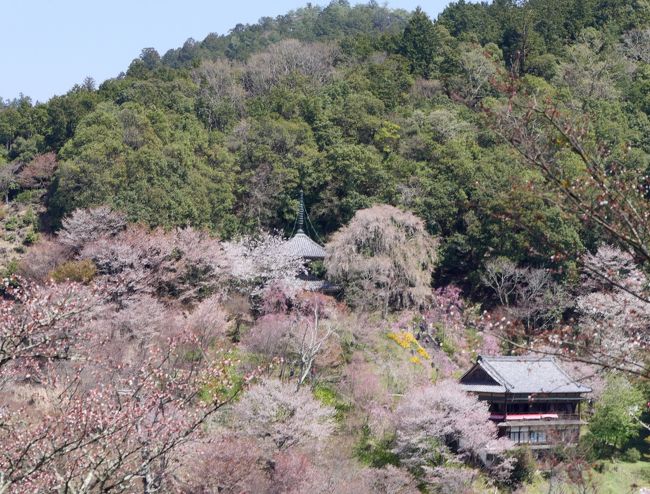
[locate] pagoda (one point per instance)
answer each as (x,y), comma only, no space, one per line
(300,244)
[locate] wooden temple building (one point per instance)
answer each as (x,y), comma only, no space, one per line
(301,245)
(532,400)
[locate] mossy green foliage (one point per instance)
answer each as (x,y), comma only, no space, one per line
(82,271)
(375,452)
(329,396)
(606,478)
(525,467)
(616,414)
(219,389)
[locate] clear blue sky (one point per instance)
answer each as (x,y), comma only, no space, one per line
(50,45)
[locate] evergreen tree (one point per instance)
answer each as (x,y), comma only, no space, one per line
(419,44)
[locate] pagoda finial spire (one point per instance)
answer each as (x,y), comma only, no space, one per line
(301,212)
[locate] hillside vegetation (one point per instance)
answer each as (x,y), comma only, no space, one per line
(480,182)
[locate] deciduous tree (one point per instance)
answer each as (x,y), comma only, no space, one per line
(441,423)
(286,417)
(383,258)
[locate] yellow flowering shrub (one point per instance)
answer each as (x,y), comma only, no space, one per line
(406,340)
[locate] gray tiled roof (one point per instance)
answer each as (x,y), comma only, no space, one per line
(302,246)
(484,388)
(526,374)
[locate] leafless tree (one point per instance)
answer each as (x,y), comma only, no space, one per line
(316,331)
(592,69)
(636,45)
(8,179)
(502,276)
(220,91)
(529,295)
(266,69)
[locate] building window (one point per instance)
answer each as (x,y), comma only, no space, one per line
(537,436)
(518,435)
(514,435)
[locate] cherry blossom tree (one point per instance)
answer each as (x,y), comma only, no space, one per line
(110,437)
(362,386)
(282,415)
(40,323)
(185,263)
(440,424)
(614,314)
(229,463)
(79,418)
(383,258)
(610,330)
(85,225)
(261,262)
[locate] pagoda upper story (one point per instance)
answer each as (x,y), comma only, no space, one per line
(300,244)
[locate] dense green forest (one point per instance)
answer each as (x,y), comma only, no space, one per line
(353,104)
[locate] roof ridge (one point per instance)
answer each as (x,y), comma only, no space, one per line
(518,358)
(494,374)
(566,374)
(531,373)
(301,233)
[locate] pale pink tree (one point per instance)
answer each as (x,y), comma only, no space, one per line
(285,417)
(40,323)
(85,225)
(111,437)
(362,386)
(255,263)
(184,263)
(615,313)
(440,424)
(299,472)
(453,479)
(383,258)
(230,463)
(101,422)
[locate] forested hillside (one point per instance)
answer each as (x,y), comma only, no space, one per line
(355,105)
(480,182)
